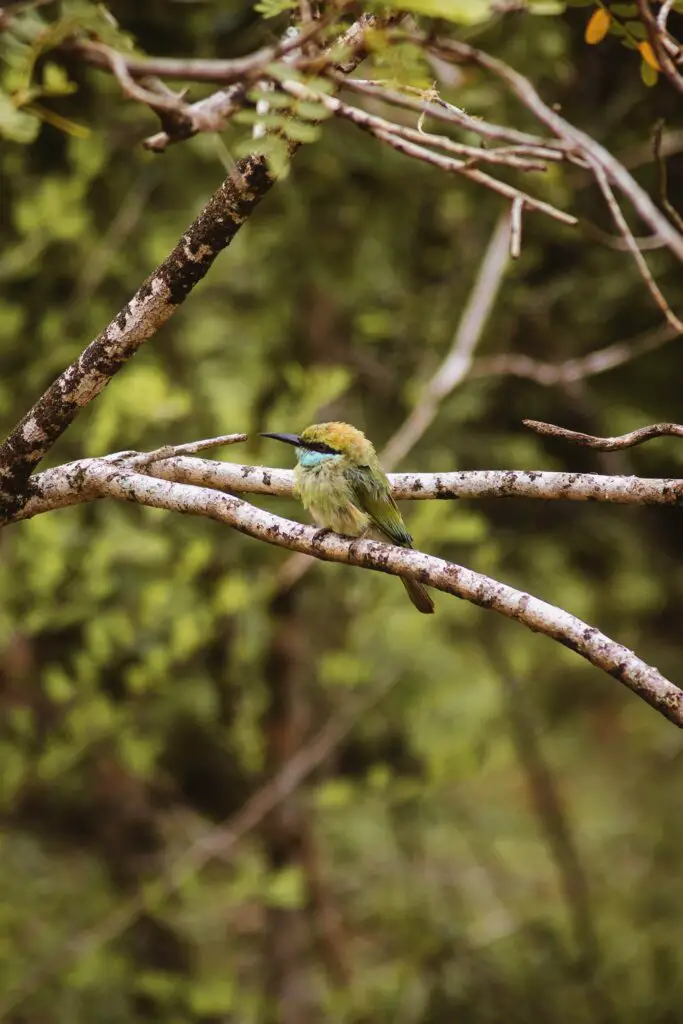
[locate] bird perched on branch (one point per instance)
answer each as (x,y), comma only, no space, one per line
(340,481)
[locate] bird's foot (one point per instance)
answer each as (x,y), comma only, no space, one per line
(321,532)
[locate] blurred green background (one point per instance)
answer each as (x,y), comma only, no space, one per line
(498,839)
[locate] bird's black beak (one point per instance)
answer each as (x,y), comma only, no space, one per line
(287,438)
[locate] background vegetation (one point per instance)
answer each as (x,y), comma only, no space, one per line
(499,837)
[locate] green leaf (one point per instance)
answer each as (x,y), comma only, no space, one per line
(265,120)
(463,12)
(637,30)
(212,997)
(56,81)
(286,889)
(300,131)
(649,75)
(547,7)
(15,124)
(272,147)
(311,111)
(272,8)
(274,98)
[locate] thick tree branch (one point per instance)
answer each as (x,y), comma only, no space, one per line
(111,480)
(71,484)
(152,305)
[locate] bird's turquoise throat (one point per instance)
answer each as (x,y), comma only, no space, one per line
(309,459)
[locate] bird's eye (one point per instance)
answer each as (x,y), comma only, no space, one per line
(320,446)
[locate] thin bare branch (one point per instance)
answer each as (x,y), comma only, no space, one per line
(438,109)
(660,160)
(171,451)
(480,177)
(220,72)
(516,228)
(634,249)
(663,16)
(572,370)
(212,113)
(657,39)
(646,243)
(607,444)
(414,143)
(582,145)
(163,102)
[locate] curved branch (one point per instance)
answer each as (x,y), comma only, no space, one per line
(607,444)
(107,480)
(552,374)
(187,69)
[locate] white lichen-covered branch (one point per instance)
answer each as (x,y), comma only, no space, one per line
(100,478)
(71,484)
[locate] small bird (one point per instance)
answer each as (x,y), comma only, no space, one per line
(341,483)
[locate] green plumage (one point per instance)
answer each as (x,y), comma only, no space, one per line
(340,481)
(372,494)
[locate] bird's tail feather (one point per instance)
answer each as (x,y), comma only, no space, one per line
(419,596)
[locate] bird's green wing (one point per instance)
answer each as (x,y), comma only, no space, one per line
(371,493)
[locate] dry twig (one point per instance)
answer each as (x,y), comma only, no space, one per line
(575,141)
(660,41)
(634,249)
(555,374)
(415,143)
(607,444)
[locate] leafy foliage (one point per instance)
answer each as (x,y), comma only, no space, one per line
(154,669)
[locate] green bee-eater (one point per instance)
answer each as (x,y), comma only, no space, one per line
(340,481)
